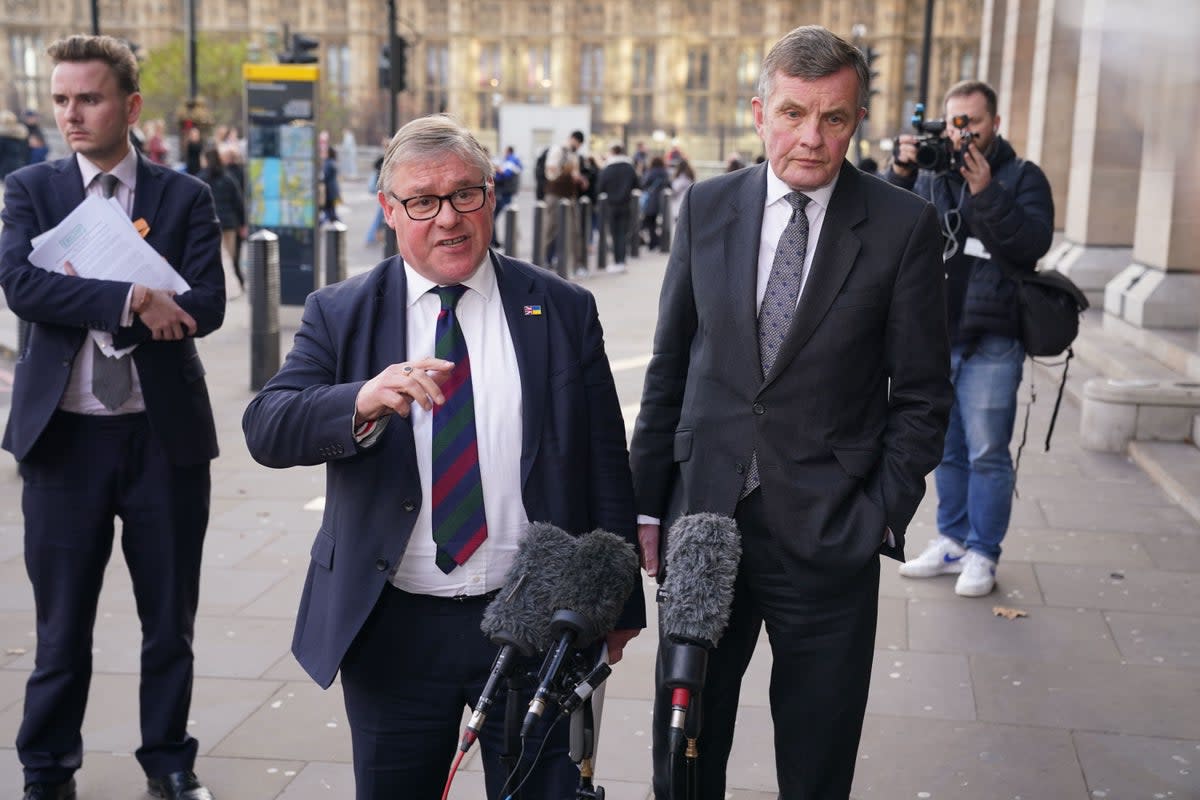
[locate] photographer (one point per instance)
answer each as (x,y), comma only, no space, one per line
(994,208)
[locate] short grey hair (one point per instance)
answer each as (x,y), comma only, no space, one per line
(810,52)
(429,138)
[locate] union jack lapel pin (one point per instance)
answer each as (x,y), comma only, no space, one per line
(533,311)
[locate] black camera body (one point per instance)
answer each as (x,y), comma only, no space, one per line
(937,152)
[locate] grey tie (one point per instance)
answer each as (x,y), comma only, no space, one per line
(779,301)
(112,382)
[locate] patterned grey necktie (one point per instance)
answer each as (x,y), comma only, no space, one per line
(112,382)
(779,301)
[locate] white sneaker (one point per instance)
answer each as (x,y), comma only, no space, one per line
(978,575)
(616,269)
(943,556)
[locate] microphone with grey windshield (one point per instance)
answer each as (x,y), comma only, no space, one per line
(603,573)
(703,551)
(518,619)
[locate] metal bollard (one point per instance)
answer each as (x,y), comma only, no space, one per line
(510,229)
(562,246)
(333,235)
(664,205)
(539,223)
(635,223)
(602,232)
(263,274)
(584,233)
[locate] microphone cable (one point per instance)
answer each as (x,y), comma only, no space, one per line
(453,769)
(533,764)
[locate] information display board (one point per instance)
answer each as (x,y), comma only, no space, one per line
(281,169)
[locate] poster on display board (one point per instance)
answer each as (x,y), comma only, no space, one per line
(282,168)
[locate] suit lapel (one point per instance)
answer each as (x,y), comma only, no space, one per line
(390,343)
(147,195)
(834,258)
(521,296)
(739,258)
(67,188)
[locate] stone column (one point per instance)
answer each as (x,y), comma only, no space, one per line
(991,40)
(1161,286)
(1106,151)
(1013,89)
(1052,96)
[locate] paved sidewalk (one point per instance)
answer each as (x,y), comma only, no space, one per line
(1094,694)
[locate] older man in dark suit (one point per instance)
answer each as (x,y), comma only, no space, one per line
(455,396)
(799,384)
(99,437)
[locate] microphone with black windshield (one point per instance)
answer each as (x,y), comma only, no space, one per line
(703,551)
(603,573)
(518,619)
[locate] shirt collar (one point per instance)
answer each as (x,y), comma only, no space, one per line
(776,189)
(125,170)
(483,281)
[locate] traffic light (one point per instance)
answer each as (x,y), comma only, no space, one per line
(393,71)
(301,51)
(871,54)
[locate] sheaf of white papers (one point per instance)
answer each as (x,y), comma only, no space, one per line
(101,243)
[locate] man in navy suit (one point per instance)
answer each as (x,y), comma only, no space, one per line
(800,384)
(99,437)
(388,602)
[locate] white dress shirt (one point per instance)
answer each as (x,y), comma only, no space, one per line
(78,397)
(496,386)
(776,214)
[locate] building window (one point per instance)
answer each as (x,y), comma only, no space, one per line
(25,51)
(437,77)
(490,70)
(697,88)
(966,70)
(337,71)
(591,80)
(537,74)
(641,90)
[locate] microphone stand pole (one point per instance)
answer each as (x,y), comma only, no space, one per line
(514,712)
(583,748)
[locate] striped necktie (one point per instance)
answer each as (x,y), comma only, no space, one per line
(459,526)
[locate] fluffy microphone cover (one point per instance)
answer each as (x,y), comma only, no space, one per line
(604,573)
(521,613)
(703,551)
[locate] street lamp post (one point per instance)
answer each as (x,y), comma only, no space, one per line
(95,17)
(926,46)
(191,32)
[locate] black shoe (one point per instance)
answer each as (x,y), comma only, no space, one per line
(178,786)
(50,791)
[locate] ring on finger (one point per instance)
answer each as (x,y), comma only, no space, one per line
(407,370)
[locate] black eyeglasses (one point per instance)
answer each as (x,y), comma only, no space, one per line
(428,206)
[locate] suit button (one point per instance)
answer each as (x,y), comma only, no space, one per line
(409,505)
(740,468)
(66,363)
(759,409)
(381,564)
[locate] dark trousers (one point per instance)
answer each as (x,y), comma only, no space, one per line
(84,472)
(618,220)
(417,663)
(821,645)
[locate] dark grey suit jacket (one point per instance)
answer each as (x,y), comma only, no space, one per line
(851,417)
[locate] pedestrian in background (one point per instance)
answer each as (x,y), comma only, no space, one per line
(14,143)
(231,214)
(332,189)
(997,211)
(653,182)
(618,179)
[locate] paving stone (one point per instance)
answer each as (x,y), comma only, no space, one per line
(1174,552)
(12,687)
(1111,514)
(752,759)
(902,757)
(1138,766)
(321,780)
(916,684)
(17,636)
(1173,641)
(15,592)
(955,626)
(1053,546)
(254,514)
(228,548)
(891,632)
(280,601)
(1152,700)
(12,542)
(1145,590)
(298,721)
(257,482)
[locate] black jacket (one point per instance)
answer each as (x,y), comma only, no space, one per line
(1013,217)
(618,179)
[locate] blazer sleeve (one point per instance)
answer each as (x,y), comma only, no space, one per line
(303,417)
(918,363)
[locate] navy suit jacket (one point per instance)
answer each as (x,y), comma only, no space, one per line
(573,461)
(852,415)
(62,309)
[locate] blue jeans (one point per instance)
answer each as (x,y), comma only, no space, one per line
(975,479)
